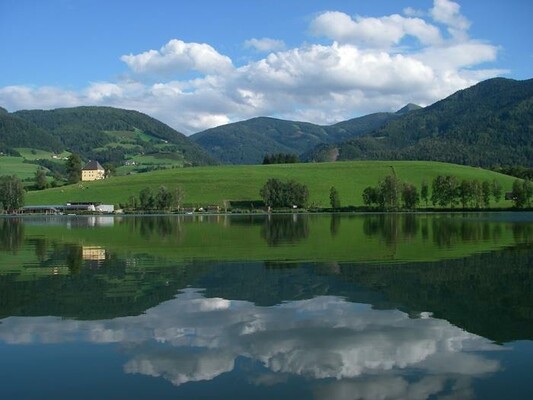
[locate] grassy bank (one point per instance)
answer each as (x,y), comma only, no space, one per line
(214,185)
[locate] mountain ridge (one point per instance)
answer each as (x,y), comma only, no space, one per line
(488,124)
(247,142)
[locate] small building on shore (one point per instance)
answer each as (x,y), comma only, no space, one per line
(72,207)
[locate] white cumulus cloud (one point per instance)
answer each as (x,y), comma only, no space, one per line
(373,32)
(449,13)
(178,56)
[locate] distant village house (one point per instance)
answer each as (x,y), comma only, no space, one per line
(92,171)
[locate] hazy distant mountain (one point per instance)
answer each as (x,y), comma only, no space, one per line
(103,133)
(488,124)
(247,142)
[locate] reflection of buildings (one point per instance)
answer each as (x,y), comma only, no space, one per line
(100,221)
(93,253)
(31,273)
(72,221)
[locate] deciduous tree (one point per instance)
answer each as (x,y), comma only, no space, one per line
(163,198)
(410,197)
(371,196)
(73,168)
(444,191)
(177,198)
(497,191)
(486,191)
(334,199)
(11,193)
(424,192)
(276,193)
(146,199)
(522,193)
(466,193)
(390,191)
(40,179)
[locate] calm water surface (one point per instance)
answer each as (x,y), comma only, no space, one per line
(289,307)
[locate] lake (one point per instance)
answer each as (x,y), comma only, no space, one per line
(353,306)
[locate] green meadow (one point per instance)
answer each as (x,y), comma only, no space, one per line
(16,166)
(217,184)
(36,154)
(10,165)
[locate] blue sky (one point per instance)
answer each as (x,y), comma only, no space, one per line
(198,64)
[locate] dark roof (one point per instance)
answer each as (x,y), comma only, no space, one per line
(93,165)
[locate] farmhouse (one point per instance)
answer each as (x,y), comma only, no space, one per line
(92,171)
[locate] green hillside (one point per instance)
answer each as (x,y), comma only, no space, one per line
(10,165)
(105,134)
(214,185)
(488,124)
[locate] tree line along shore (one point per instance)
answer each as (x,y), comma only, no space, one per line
(349,186)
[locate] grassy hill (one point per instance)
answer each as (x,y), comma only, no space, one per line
(10,165)
(488,124)
(213,185)
(247,142)
(105,134)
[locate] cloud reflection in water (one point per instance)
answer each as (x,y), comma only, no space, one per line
(359,352)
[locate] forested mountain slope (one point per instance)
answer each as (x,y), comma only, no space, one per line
(103,133)
(488,124)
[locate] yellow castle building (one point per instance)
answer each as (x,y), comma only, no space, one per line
(92,171)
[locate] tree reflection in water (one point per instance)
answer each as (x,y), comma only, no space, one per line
(285,229)
(445,230)
(11,234)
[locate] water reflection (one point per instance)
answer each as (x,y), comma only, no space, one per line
(158,227)
(293,301)
(333,238)
(193,338)
(283,229)
(334,225)
(11,234)
(447,230)
(93,253)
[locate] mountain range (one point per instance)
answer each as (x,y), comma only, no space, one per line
(247,142)
(488,124)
